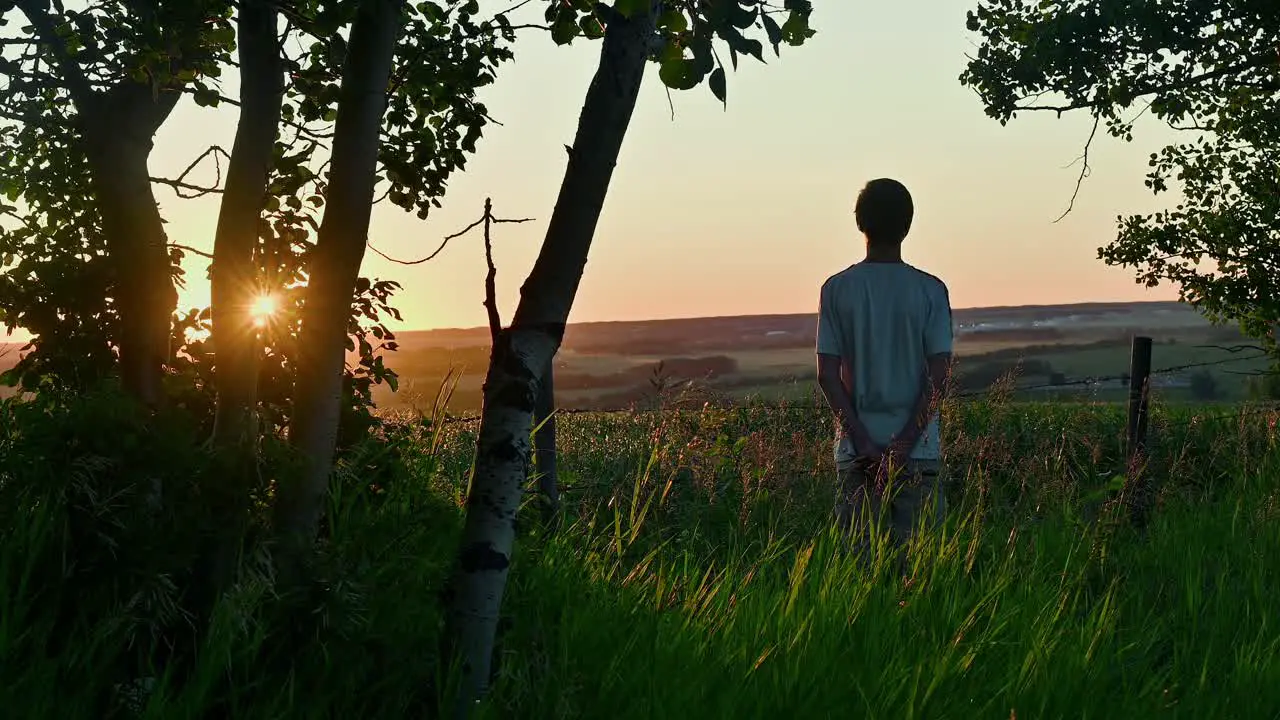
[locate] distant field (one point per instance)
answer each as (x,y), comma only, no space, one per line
(613,365)
(616,365)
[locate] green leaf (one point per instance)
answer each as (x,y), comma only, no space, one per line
(591,27)
(671,52)
(717,83)
(205,97)
(742,18)
(796,29)
(673,21)
(565,28)
(703,59)
(774,32)
(678,74)
(432,12)
(631,8)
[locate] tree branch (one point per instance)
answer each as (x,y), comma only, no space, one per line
(193,251)
(27,119)
(1084,168)
(490,278)
(302,129)
(178,186)
(519,4)
(72,74)
(484,220)
(1172,86)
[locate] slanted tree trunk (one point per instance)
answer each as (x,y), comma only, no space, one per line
(335,265)
(544,441)
(523,352)
(233,281)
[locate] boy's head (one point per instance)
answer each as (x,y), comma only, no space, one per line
(884,212)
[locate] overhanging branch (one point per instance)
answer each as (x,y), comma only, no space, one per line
(1084,168)
(179,187)
(180,183)
(484,220)
(193,251)
(1257,61)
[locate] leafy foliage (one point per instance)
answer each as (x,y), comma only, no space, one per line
(685,47)
(56,278)
(1209,67)
(55,274)
(368,340)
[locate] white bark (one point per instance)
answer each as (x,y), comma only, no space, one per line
(340,247)
(523,353)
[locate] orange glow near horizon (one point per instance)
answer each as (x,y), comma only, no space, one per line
(744,210)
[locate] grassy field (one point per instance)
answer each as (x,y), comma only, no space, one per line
(694,574)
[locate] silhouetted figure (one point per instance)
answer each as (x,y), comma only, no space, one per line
(884,352)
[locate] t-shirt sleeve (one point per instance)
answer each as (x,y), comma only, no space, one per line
(938,334)
(828,342)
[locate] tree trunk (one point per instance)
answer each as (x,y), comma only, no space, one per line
(335,265)
(524,351)
(118,128)
(234,282)
(544,442)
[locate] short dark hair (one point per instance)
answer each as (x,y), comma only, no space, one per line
(884,211)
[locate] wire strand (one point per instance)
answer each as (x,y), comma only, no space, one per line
(1086,381)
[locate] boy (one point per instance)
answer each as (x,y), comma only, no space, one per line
(884,352)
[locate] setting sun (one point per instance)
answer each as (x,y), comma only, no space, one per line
(263,308)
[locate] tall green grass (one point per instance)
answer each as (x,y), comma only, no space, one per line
(694,573)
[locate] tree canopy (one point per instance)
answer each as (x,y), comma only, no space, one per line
(57,276)
(1210,68)
(684,47)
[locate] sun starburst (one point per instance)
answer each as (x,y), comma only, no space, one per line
(263,308)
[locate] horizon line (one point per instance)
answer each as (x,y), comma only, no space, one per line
(481,328)
(693,318)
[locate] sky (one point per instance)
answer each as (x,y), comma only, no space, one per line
(747,209)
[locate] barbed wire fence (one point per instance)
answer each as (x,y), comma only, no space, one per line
(1088,382)
(1137,497)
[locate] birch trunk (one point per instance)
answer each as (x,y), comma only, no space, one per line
(523,352)
(335,265)
(544,441)
(233,281)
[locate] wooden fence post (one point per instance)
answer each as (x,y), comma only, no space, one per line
(1136,488)
(1139,383)
(544,442)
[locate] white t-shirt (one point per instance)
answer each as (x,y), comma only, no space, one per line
(886,319)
